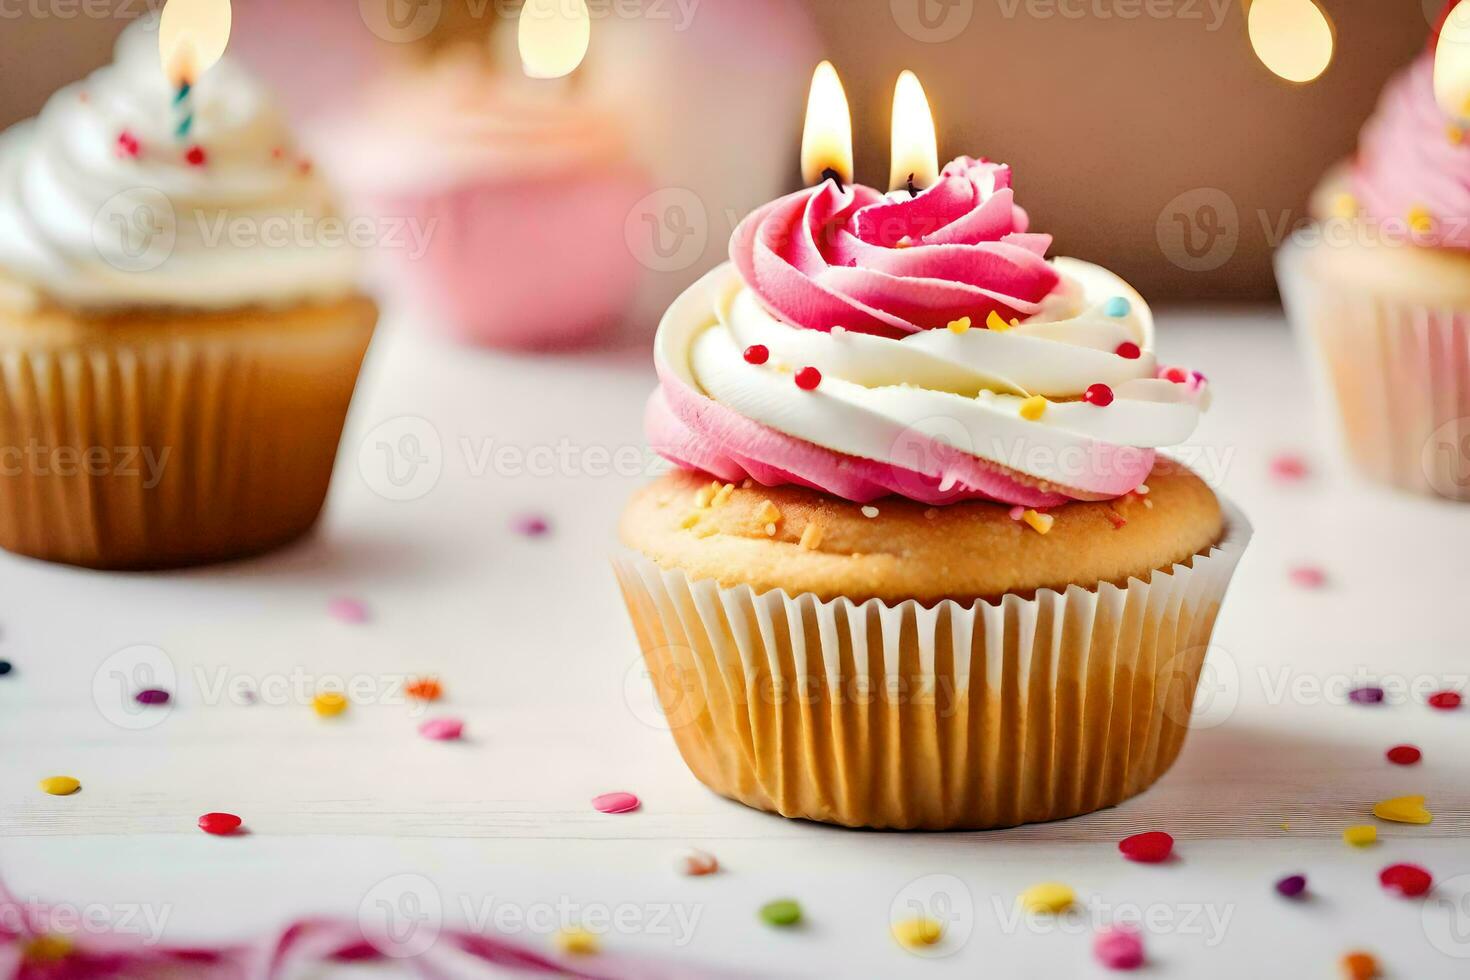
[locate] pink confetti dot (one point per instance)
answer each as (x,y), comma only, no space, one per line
(442,729)
(1308,577)
(531,526)
(1119,948)
(616,803)
(347,610)
(1289,468)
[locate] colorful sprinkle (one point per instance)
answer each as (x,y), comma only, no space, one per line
(1358,965)
(1445,700)
(1176,375)
(768,513)
(1408,880)
(49,948)
(442,729)
(1308,577)
(1345,206)
(962,325)
(1404,755)
(757,354)
(696,863)
(1403,809)
(811,537)
(1289,468)
(329,704)
(1039,522)
(1292,886)
(1454,134)
(219,824)
(1129,351)
(871,512)
(998,324)
(1421,221)
(1153,847)
(60,785)
(577,942)
(151,696)
(616,803)
(128,145)
(1366,695)
(1119,948)
(1017,512)
(1361,835)
(6,667)
(531,526)
(782,913)
(1099,394)
(346,610)
(1033,408)
(1114,518)
(918,932)
(1051,897)
(1118,307)
(808,378)
(196,157)
(424,689)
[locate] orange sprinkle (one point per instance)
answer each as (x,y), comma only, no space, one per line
(1358,965)
(424,689)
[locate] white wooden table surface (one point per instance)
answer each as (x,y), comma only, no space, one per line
(535,653)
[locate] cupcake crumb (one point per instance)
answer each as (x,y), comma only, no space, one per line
(723,495)
(689,521)
(811,537)
(930,514)
(768,513)
(770,530)
(705,495)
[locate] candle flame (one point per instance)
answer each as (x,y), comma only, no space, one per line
(826,144)
(1452,64)
(192,37)
(915,145)
(1293,38)
(554,36)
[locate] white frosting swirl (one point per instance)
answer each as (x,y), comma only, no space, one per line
(89,224)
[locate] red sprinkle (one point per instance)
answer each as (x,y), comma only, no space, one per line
(616,803)
(808,378)
(196,156)
(1176,375)
(219,824)
(1129,350)
(1153,847)
(305,168)
(1409,880)
(279,153)
(757,354)
(128,145)
(1289,467)
(1114,518)
(1445,700)
(1404,755)
(1308,577)
(1100,395)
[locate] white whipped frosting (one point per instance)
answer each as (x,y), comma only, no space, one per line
(91,226)
(876,388)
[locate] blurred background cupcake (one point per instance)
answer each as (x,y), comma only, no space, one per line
(1379,286)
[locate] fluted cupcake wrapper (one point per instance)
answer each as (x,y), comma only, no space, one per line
(945,717)
(1394,376)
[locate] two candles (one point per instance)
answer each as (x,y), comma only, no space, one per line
(826,146)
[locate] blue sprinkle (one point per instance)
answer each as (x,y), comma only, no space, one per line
(1118,306)
(183,93)
(185,126)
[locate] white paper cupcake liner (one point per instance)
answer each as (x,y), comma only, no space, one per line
(953,716)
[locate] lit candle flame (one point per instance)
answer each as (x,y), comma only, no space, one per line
(1452,64)
(192,37)
(554,36)
(1293,38)
(826,144)
(915,157)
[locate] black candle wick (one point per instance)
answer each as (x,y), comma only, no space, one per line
(913,191)
(831,174)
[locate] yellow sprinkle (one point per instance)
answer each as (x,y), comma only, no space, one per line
(1033,408)
(1040,523)
(1361,835)
(995,322)
(704,496)
(329,704)
(47,949)
(1286,826)
(1420,220)
(1345,206)
(60,785)
(577,942)
(768,513)
(811,537)
(913,933)
(1404,809)
(1048,897)
(723,495)
(689,521)
(1456,134)
(962,325)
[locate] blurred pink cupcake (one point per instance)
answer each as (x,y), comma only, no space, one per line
(500,203)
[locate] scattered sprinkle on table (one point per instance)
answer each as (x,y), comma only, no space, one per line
(1404,755)
(1408,880)
(329,704)
(616,803)
(696,863)
(1050,897)
(60,785)
(1358,965)
(1366,695)
(1403,809)
(918,932)
(6,667)
(531,526)
(442,729)
(219,824)
(46,948)
(1119,948)
(1445,700)
(1153,847)
(1361,835)
(1292,886)
(347,610)
(152,696)
(1308,577)
(782,913)
(577,942)
(424,689)
(1289,468)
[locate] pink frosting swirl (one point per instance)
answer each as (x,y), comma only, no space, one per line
(852,257)
(1407,163)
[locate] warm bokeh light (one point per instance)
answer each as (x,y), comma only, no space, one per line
(1293,38)
(826,143)
(1452,64)
(554,36)
(192,37)
(915,144)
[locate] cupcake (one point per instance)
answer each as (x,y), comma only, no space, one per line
(180,333)
(918,565)
(1378,288)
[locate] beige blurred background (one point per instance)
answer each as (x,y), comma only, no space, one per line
(1131,123)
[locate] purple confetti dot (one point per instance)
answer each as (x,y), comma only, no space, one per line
(531,526)
(151,696)
(1292,886)
(1366,695)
